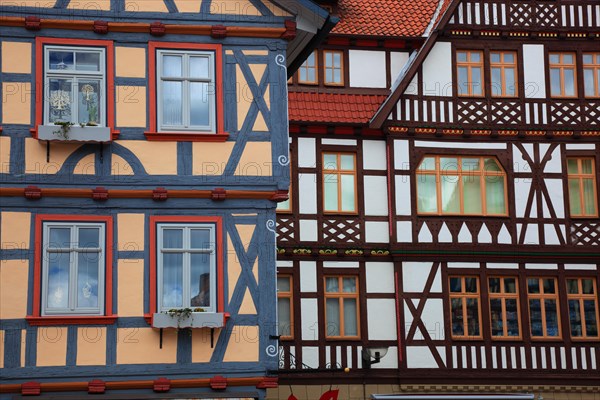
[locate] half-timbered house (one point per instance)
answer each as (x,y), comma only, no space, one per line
(143,148)
(444,202)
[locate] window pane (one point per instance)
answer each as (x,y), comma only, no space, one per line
(89,237)
(61,100)
(567,58)
(461,56)
(495,285)
(172,103)
(349,285)
(588,59)
(350,322)
(533,285)
(551,317)
(172,66)
(428,164)
(572,286)
(200,239)
(495,195)
(512,317)
(549,286)
(535,314)
(284,317)
(510,285)
(87,61)
(587,286)
(348,193)
(554,58)
(471,285)
(88,94)
(476,81)
(61,60)
(199,67)
(555,89)
(457,318)
(495,57)
(475,56)
(200,280)
(337,76)
(496,82)
(450,194)
(510,81)
(455,285)
(330,161)
(569,82)
(575,318)
(173,238)
(283,284)
(87,280)
(473,317)
(347,162)
(333,317)
(588,82)
(591,324)
(172,290)
(330,192)
(448,164)
(509,58)
(312,76)
(496,316)
(589,200)
(470,164)
(575,197)
(491,165)
(463,81)
(572,166)
(58,280)
(328,75)
(587,166)
(60,238)
(426,193)
(472,194)
(331,285)
(199,104)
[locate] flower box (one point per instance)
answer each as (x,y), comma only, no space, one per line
(194,320)
(75,133)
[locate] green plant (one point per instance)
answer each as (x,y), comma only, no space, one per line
(182,313)
(65,127)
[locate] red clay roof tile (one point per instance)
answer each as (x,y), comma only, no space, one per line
(333,107)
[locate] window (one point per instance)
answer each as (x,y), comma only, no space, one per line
(469,70)
(334,67)
(465,307)
(504,307)
(503,67)
(449,185)
(562,75)
(286,206)
(73,267)
(544,314)
(75,85)
(285,314)
(591,74)
(186,90)
(339,182)
(341,307)
(583,307)
(307,72)
(583,197)
(186,266)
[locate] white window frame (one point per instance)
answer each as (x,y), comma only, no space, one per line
(75,76)
(187,251)
(73,250)
(186,80)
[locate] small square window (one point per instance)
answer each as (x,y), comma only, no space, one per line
(308,71)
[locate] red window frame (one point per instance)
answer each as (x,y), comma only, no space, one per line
(154,221)
(153,134)
(36,318)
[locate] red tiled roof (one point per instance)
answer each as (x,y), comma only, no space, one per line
(403,18)
(333,107)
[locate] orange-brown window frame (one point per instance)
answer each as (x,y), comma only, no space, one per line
(503,66)
(544,296)
(580,176)
(307,67)
(464,295)
(581,297)
(594,66)
(341,295)
(561,66)
(439,173)
(470,66)
(288,295)
(339,172)
(333,67)
(503,296)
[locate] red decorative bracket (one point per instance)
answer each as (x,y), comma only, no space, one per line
(160,194)
(218,31)
(218,383)
(97,386)
(33,193)
(31,389)
(101,27)
(268,382)
(100,194)
(33,23)
(162,385)
(158,29)
(219,194)
(280,195)
(290,30)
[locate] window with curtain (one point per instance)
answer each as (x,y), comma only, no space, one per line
(544,313)
(186,266)
(591,74)
(465,307)
(339,183)
(341,307)
(75,85)
(504,307)
(73,268)
(307,73)
(563,77)
(334,67)
(503,68)
(468,185)
(583,196)
(285,315)
(186,91)
(583,307)
(469,73)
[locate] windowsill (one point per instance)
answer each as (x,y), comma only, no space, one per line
(187,136)
(46,132)
(195,320)
(71,320)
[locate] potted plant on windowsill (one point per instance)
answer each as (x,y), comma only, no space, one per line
(66,131)
(188,318)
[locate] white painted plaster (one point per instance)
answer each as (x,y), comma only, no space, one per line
(307,193)
(367,68)
(339,142)
(444,235)
(425,234)
(437,70)
(377,232)
(421,357)
(381,318)
(308,230)
(401,159)
(375,193)
(404,231)
(403,193)
(460,145)
(307,153)
(308,276)
(380,277)
(534,71)
(310,319)
(374,155)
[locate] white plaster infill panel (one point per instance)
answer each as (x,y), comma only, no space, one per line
(432,317)
(415,274)
(534,72)
(381,316)
(308,230)
(339,142)
(374,155)
(541,266)
(307,193)
(310,319)
(437,70)
(341,264)
(367,68)
(583,267)
(404,232)
(397,62)
(375,192)
(307,153)
(390,361)
(380,277)
(308,276)
(421,357)
(401,158)
(377,232)
(403,200)
(310,356)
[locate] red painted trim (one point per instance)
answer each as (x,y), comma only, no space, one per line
(39,77)
(339,41)
(366,43)
(218,221)
(394,44)
(153,133)
(36,318)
